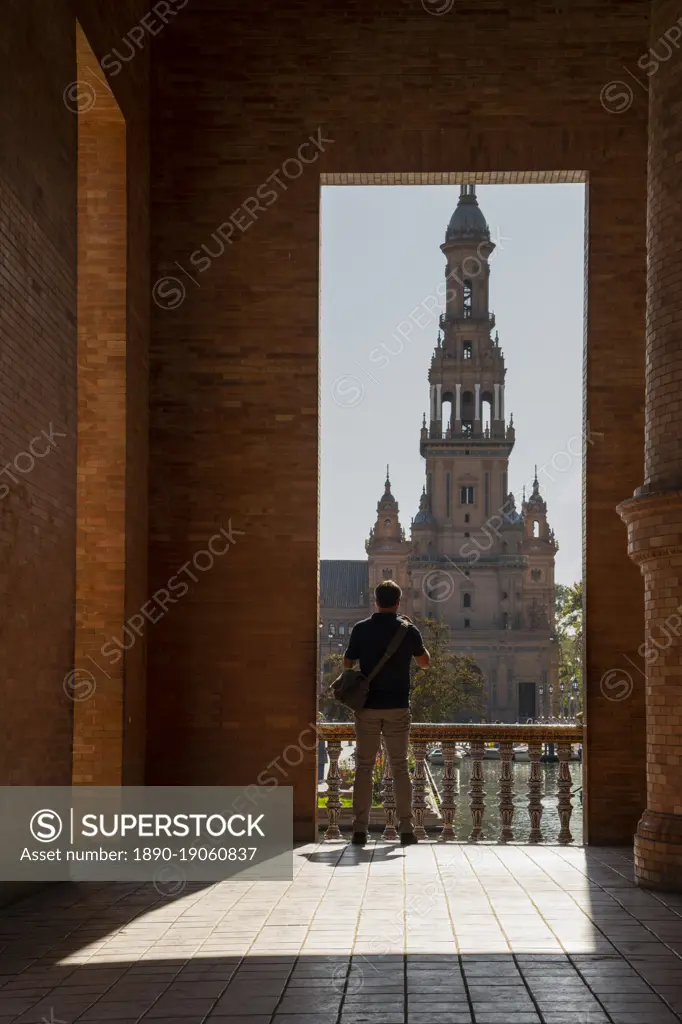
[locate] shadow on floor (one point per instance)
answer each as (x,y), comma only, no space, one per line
(271,953)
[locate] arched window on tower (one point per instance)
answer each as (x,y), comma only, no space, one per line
(467,298)
(467,350)
(486,411)
(467,412)
(447,412)
(466,600)
(536,528)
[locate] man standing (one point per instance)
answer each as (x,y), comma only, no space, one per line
(387,708)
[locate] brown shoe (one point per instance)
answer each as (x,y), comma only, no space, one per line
(359,839)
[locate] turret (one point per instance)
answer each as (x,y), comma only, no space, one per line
(534,512)
(467,369)
(387,546)
(468,248)
(539,546)
(387,530)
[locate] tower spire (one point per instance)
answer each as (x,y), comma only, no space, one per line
(387,530)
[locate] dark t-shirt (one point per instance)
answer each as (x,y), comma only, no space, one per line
(368,642)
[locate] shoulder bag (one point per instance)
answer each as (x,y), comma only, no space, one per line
(352,686)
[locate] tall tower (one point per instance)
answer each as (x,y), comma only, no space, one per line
(475,562)
(467,444)
(539,546)
(388,549)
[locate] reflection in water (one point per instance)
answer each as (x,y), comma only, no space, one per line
(492,825)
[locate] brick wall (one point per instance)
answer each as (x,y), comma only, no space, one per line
(101,494)
(615,784)
(37,393)
(38,380)
(654,516)
(37,440)
(122,44)
(511,87)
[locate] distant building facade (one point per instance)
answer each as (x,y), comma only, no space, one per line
(472,560)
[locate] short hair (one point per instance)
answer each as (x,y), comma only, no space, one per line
(387,594)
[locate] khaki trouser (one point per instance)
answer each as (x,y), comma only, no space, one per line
(370,724)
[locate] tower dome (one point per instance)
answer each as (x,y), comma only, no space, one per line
(467,222)
(387,502)
(424,516)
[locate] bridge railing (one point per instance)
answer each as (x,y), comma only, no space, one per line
(474,742)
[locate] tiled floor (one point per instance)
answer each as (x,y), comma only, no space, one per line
(433,934)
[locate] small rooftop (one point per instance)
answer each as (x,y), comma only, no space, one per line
(467,222)
(344,583)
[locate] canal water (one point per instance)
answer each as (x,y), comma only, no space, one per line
(492,825)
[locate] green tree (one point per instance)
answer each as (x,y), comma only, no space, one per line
(332,710)
(569,634)
(451,689)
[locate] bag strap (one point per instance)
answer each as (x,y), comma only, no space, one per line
(396,640)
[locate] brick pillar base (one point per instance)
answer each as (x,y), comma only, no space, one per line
(654,522)
(658,851)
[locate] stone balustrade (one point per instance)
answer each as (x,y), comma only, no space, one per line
(475,737)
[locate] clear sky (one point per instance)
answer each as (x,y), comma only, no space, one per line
(380,259)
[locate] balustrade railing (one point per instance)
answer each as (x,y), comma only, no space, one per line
(476,738)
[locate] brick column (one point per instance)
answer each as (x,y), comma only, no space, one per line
(99,715)
(654,515)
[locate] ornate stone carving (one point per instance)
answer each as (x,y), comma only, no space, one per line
(535,792)
(564,786)
(334,784)
(642,516)
(419,788)
(448,795)
(477,735)
(656,554)
(476,793)
(470,732)
(388,799)
(536,615)
(506,791)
